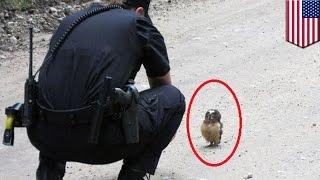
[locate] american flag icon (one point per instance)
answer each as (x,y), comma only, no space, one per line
(303,22)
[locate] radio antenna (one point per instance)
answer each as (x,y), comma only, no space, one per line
(30,52)
(29,88)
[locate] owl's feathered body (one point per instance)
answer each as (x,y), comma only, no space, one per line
(212,132)
(211,128)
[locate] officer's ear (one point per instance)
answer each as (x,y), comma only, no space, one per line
(140,11)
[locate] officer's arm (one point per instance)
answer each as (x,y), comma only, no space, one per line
(155,58)
(160,81)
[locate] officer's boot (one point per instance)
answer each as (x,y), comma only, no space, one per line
(127,173)
(50,169)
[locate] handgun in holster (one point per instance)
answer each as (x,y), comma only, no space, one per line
(130,124)
(127,98)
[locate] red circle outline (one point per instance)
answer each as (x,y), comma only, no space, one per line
(240,123)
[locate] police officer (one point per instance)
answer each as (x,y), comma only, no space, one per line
(113,43)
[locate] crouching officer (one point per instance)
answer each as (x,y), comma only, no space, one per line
(89,109)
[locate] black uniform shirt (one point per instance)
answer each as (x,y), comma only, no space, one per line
(155,58)
(114,43)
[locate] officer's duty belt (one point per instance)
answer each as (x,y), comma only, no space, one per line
(68,117)
(112,103)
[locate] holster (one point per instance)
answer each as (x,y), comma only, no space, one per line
(128,99)
(130,123)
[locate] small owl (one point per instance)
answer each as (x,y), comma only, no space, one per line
(211,128)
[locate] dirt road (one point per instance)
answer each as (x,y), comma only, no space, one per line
(242,43)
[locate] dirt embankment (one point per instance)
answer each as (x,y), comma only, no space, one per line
(14,21)
(43,17)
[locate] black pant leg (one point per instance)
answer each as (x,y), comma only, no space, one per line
(50,169)
(160,116)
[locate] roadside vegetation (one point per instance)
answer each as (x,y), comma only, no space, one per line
(23,5)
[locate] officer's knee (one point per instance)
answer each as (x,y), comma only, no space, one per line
(169,97)
(179,111)
(181,103)
(178,99)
